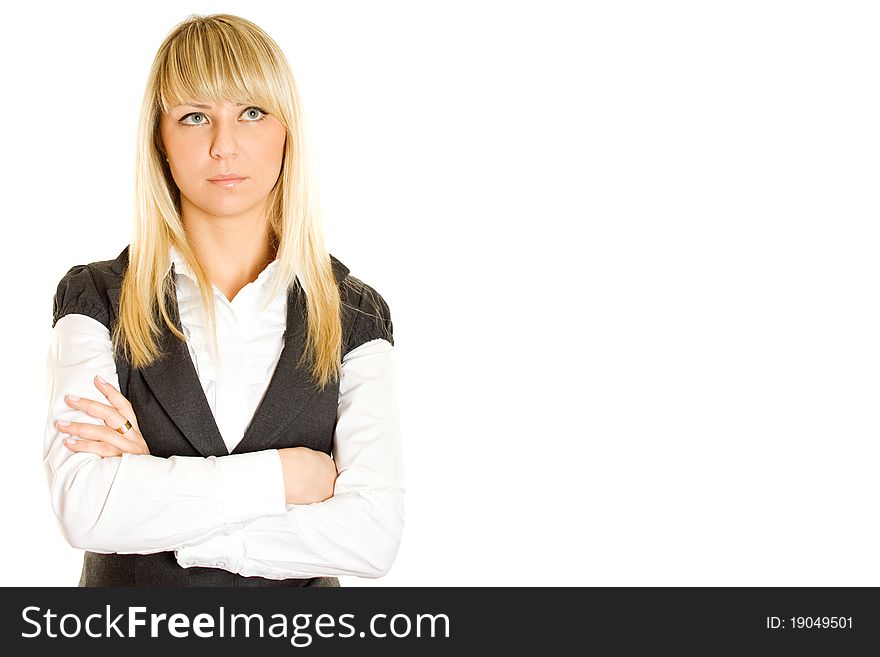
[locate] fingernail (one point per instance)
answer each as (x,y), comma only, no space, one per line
(101,380)
(71,441)
(63,423)
(73,397)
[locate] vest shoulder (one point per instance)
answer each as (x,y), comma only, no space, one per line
(83,289)
(340,271)
(365,314)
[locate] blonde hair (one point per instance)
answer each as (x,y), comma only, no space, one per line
(219,57)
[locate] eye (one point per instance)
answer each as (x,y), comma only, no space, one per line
(250,110)
(255,114)
(184,118)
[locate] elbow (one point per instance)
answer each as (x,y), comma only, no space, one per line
(373,520)
(71,526)
(74,527)
(76,539)
(82,536)
(76,519)
(389,532)
(382,565)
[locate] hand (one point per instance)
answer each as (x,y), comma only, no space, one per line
(309,475)
(104,441)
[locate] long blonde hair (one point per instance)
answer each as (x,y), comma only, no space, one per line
(219,57)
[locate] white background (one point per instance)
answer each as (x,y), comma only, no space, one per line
(630,248)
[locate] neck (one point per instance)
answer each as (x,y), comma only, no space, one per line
(232,249)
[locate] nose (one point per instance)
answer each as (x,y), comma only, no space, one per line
(221,152)
(224,144)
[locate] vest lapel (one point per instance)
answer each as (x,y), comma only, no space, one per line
(290,389)
(175,383)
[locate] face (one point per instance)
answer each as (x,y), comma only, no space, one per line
(204,141)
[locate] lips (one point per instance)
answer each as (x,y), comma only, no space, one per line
(227,180)
(227,176)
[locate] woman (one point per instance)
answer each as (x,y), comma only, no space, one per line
(229,387)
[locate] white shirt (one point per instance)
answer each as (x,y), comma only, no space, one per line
(229,512)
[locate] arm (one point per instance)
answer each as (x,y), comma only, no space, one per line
(358,530)
(139,503)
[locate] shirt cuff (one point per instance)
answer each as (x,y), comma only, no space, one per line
(224,552)
(253,485)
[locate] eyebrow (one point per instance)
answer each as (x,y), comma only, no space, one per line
(201,106)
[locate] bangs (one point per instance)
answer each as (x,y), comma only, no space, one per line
(213,62)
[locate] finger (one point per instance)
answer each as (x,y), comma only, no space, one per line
(100,433)
(111,416)
(116,398)
(92,446)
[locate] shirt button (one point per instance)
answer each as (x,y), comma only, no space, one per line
(220,564)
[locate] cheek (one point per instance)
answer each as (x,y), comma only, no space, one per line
(186,164)
(272,155)
(181,150)
(275,145)
(170,140)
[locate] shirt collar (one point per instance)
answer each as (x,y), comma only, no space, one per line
(180,266)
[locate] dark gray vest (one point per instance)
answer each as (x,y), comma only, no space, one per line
(175,418)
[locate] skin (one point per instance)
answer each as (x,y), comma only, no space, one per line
(228,228)
(229,232)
